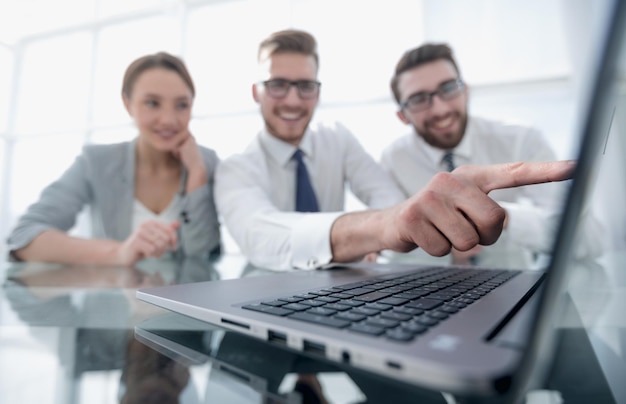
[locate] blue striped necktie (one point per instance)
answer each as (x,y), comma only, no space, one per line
(448,159)
(305,195)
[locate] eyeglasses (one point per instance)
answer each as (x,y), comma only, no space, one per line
(279,88)
(422,101)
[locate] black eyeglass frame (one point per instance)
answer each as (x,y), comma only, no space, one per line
(460,85)
(295,83)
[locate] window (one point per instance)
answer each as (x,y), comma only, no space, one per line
(6,76)
(54,85)
(118,45)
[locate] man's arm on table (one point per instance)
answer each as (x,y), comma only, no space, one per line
(453,210)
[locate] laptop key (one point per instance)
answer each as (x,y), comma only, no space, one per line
(274,303)
(408,310)
(307,296)
(296,307)
(372,296)
(394,301)
(337,306)
(392,315)
(366,329)
(322,292)
(312,302)
(357,291)
(378,306)
(291,299)
(464,300)
(382,322)
(414,328)
(277,311)
(321,311)
(425,303)
(439,315)
(352,303)
(427,321)
(354,317)
(365,311)
(327,299)
(321,320)
(449,309)
(398,334)
(413,294)
(341,295)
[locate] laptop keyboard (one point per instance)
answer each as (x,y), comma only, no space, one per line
(397,308)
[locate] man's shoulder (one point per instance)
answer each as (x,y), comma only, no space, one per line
(401,144)
(508,135)
(248,156)
(499,126)
(330,129)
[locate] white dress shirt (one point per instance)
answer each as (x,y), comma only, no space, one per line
(532,210)
(255,195)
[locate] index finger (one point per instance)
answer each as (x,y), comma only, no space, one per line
(510,175)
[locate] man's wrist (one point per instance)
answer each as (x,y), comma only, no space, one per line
(356,234)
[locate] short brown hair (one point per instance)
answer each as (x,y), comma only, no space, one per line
(412,58)
(161,59)
(289,40)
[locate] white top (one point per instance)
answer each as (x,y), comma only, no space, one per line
(532,210)
(255,195)
(168,215)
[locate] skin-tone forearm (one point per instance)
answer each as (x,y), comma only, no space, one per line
(56,246)
(151,239)
(355,235)
(453,210)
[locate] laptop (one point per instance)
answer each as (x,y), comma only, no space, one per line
(471,332)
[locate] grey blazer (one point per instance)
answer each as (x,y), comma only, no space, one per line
(102,178)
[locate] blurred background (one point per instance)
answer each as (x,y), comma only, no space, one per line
(62,61)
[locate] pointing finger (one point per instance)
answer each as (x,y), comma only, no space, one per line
(509,175)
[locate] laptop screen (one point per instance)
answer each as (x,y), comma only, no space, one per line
(598,186)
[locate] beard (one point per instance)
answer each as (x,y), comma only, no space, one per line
(443,140)
(288,133)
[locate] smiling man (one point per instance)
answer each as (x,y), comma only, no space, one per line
(280,197)
(433,100)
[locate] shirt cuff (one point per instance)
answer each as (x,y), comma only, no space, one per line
(310,245)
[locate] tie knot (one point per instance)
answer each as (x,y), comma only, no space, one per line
(448,160)
(297,155)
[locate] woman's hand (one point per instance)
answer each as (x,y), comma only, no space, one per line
(189,154)
(152,239)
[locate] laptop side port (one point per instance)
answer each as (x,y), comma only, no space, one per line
(394,365)
(314,347)
(277,337)
(235,323)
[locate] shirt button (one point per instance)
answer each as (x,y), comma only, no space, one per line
(312,262)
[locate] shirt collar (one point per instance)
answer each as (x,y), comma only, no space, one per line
(281,151)
(462,150)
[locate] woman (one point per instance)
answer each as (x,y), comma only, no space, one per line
(147,197)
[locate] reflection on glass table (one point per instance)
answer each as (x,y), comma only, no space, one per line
(78,335)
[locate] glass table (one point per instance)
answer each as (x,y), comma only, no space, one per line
(77,334)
